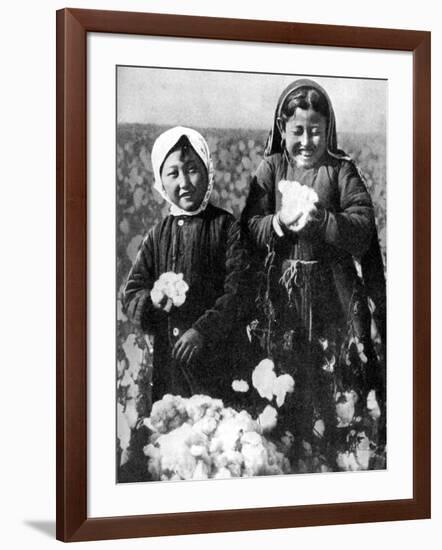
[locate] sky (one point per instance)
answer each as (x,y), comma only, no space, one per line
(238,100)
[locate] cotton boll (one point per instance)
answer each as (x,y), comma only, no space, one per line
(254,459)
(345,407)
(235,463)
(227,413)
(198,451)
(196,406)
(282,385)
(245,421)
(308,209)
(268,419)
(176,438)
(290,190)
(173,286)
(251,438)
(230,460)
(168,413)
(263,378)
(175,454)
(223,473)
(240,386)
(363,452)
(207,425)
(299,199)
(311,195)
(181,287)
(215,408)
(156,294)
(373,406)
(201,470)
(198,438)
(178,299)
(227,435)
(347,462)
(216,445)
(230,430)
(319,428)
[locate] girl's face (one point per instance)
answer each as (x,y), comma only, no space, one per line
(184,178)
(305,135)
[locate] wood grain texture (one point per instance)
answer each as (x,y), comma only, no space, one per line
(71,164)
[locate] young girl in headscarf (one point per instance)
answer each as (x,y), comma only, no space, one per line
(186,286)
(308,217)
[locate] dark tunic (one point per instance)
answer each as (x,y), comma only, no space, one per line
(207,250)
(346,230)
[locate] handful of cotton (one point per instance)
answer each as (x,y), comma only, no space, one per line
(298,199)
(170,285)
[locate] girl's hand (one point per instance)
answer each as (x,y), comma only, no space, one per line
(188,347)
(287,218)
(310,222)
(164,303)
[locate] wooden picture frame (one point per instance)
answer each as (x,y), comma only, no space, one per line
(73,523)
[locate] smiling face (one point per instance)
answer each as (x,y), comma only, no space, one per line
(184,178)
(305,136)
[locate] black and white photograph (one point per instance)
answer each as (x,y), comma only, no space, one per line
(251,274)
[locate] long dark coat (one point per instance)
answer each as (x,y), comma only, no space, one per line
(207,250)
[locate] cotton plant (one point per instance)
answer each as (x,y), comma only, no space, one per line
(199,438)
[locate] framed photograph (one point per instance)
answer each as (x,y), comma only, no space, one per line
(243,216)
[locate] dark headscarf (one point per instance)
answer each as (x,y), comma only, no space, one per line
(371,262)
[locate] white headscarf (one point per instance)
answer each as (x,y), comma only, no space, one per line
(161,148)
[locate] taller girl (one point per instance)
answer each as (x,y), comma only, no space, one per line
(315,303)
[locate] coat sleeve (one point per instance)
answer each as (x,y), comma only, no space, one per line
(258,213)
(137,303)
(352,227)
(233,305)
